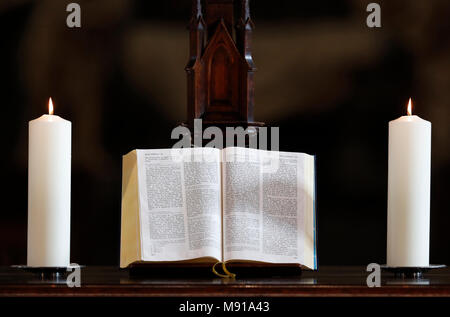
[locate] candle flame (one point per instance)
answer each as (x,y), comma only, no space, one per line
(50,106)
(410,107)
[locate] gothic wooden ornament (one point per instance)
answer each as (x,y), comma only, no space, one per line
(221,69)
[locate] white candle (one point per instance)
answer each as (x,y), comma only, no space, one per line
(408,235)
(49,173)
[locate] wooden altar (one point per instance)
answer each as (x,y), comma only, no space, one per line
(327,282)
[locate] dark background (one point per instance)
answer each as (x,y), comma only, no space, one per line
(328,81)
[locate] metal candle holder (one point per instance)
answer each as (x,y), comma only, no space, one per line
(415,272)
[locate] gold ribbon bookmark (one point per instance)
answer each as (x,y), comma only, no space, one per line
(227,274)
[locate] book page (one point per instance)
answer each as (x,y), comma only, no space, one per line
(268,207)
(180,204)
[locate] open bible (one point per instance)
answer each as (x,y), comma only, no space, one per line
(208,206)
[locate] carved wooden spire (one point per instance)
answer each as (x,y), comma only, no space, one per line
(197,33)
(245,9)
(244,32)
(217,10)
(197,9)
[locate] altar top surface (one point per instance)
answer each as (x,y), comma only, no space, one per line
(328,281)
